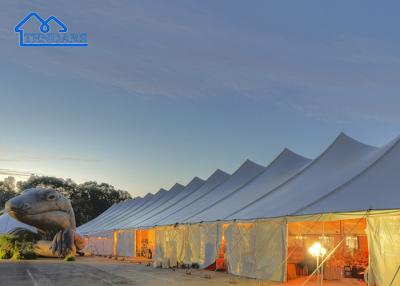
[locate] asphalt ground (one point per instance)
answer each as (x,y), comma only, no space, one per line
(102,271)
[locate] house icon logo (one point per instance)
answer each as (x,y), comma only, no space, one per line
(51,32)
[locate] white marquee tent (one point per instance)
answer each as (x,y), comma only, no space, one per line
(248,213)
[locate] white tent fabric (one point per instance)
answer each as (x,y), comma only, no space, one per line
(242,176)
(384,250)
(128,212)
(172,215)
(286,165)
(114,221)
(136,208)
(338,165)
(245,173)
(125,243)
(101,243)
(203,244)
(170,246)
(348,172)
(118,213)
(159,200)
(257,250)
(194,184)
(191,244)
(112,210)
(375,187)
(8,224)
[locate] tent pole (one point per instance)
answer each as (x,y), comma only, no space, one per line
(318,273)
(395,275)
(322,264)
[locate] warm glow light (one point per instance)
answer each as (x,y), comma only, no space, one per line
(317,250)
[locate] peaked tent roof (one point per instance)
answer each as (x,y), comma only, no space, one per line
(376,187)
(344,159)
(112,211)
(134,211)
(121,215)
(119,212)
(194,184)
(285,165)
(173,213)
(242,176)
(347,176)
(129,209)
(164,198)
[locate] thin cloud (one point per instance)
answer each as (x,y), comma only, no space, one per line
(8,172)
(75,159)
(15,155)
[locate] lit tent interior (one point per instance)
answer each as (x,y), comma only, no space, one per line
(260,221)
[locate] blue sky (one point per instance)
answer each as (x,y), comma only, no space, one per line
(168,90)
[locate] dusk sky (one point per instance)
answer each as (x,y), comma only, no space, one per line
(169,90)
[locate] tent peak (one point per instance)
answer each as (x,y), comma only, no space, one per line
(150,194)
(162,190)
(288,156)
(219,171)
(248,162)
(288,152)
(217,174)
(176,186)
(247,166)
(196,180)
(343,138)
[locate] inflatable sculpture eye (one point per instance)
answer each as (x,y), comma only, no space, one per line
(51,197)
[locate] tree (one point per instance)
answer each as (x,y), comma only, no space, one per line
(91,199)
(7,190)
(65,187)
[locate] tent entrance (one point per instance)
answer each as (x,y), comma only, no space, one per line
(347,239)
(145,243)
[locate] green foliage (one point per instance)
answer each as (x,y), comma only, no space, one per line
(69,258)
(5,254)
(16,255)
(6,246)
(88,199)
(7,190)
(15,247)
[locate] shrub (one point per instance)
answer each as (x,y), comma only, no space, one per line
(15,247)
(16,255)
(6,246)
(29,254)
(5,254)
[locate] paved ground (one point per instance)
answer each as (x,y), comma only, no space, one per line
(102,271)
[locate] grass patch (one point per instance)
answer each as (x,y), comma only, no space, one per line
(69,258)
